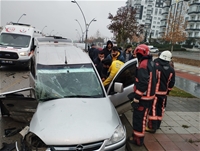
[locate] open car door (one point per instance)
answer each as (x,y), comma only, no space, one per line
(121,85)
(17,105)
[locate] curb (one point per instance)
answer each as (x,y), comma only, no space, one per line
(130,147)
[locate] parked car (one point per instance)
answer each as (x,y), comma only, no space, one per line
(70,106)
(153,49)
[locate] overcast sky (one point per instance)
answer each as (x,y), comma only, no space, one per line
(60,15)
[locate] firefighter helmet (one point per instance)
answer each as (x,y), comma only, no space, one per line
(166,55)
(142,49)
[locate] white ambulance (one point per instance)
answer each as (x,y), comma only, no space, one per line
(17,44)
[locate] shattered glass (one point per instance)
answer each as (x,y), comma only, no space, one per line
(64,81)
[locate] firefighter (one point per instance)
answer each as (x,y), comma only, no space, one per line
(143,94)
(166,81)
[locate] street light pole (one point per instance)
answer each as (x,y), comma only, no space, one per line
(88,25)
(21,17)
(51,32)
(74,1)
(43,28)
(81,30)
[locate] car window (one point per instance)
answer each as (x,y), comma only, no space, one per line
(126,76)
(15,40)
(63,81)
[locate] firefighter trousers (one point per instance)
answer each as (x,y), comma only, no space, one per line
(156,112)
(139,121)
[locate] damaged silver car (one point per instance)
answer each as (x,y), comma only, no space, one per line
(68,107)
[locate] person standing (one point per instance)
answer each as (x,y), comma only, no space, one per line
(143,94)
(98,63)
(127,53)
(115,54)
(107,50)
(166,81)
(93,52)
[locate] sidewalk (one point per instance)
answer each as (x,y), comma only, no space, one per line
(180,128)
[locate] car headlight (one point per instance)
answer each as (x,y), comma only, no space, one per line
(23,53)
(34,143)
(118,135)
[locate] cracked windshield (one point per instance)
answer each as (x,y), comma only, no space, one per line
(65,81)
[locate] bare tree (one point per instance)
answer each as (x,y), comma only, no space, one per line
(98,35)
(138,38)
(123,24)
(175,31)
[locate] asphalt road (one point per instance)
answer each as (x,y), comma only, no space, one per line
(11,79)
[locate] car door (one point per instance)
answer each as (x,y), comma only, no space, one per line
(18,105)
(126,76)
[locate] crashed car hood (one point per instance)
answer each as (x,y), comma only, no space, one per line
(71,121)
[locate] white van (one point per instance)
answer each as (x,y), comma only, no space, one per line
(16,44)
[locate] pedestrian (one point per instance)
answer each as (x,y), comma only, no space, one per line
(166,81)
(107,50)
(98,63)
(93,52)
(143,94)
(116,54)
(113,67)
(127,53)
(132,55)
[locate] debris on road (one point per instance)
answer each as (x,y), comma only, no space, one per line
(12,131)
(25,77)
(8,147)
(10,74)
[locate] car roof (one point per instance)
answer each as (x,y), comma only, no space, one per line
(60,53)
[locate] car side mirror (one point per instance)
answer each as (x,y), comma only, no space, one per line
(118,87)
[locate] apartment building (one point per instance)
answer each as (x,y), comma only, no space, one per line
(171,10)
(193,19)
(155,13)
(149,13)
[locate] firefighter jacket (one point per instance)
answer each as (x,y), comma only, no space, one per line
(166,77)
(113,69)
(145,79)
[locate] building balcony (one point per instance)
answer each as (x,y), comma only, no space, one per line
(193,20)
(163,19)
(194,10)
(166,0)
(162,26)
(192,29)
(194,3)
(165,13)
(166,6)
(147,22)
(149,12)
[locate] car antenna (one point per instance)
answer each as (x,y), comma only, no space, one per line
(65,57)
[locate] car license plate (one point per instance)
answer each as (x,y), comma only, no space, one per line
(7,62)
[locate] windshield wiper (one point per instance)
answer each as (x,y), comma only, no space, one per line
(79,96)
(48,99)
